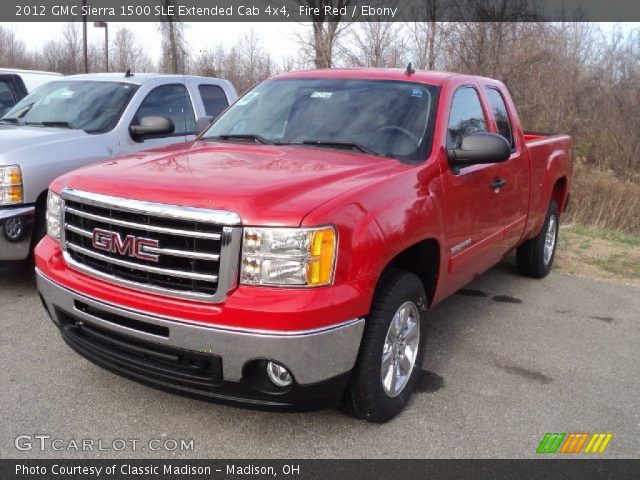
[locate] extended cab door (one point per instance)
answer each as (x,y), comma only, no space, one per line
(210,96)
(515,172)
(172,101)
(472,208)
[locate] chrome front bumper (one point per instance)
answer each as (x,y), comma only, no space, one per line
(312,356)
(16,225)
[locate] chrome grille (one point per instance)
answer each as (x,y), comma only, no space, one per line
(197,250)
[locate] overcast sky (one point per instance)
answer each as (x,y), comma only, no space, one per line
(279,39)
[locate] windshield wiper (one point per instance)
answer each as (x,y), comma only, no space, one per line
(49,124)
(334,144)
(10,120)
(240,136)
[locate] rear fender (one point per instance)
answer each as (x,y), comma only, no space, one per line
(554,184)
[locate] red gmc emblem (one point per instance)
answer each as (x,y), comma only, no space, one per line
(131,246)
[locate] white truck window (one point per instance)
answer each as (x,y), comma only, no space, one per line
(172,102)
(214,99)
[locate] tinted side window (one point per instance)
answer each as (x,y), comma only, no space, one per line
(214,99)
(466,116)
(173,102)
(6,97)
(500,114)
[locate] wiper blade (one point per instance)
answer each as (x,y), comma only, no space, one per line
(10,120)
(49,124)
(334,144)
(241,136)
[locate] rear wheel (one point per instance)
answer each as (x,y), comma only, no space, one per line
(392,349)
(535,256)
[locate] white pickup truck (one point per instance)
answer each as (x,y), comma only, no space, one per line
(17,84)
(83,119)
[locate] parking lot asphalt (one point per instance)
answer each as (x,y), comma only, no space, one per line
(508,360)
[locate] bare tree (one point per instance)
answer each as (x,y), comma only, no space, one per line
(13,52)
(244,64)
(375,44)
(128,53)
(211,62)
(326,29)
(72,45)
(95,57)
(254,61)
(175,56)
(426,37)
(64,55)
(290,64)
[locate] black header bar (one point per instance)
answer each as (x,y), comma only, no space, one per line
(299,11)
(584,469)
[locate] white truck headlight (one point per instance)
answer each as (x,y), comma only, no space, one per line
(288,256)
(54,214)
(11,191)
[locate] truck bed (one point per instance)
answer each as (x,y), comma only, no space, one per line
(538,137)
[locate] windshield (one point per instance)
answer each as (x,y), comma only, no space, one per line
(90,106)
(388,118)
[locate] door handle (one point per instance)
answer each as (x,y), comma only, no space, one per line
(498,183)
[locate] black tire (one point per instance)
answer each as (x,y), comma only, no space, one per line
(39,223)
(366,397)
(38,231)
(530,256)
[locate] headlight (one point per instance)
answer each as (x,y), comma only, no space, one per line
(11,185)
(54,206)
(288,256)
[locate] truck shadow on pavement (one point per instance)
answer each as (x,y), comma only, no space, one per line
(16,276)
(451,321)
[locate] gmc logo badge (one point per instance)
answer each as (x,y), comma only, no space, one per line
(130,246)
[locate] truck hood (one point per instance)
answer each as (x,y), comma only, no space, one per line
(17,138)
(264,184)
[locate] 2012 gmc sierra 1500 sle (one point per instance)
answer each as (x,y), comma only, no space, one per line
(288,257)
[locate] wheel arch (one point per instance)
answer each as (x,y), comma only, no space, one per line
(42,198)
(421,259)
(559,193)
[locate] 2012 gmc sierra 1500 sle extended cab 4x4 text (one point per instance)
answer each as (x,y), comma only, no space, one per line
(288,257)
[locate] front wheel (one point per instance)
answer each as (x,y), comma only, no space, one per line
(392,349)
(535,256)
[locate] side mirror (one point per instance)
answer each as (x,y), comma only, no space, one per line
(479,148)
(203,123)
(151,125)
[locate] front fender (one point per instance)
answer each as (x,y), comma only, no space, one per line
(379,221)
(42,163)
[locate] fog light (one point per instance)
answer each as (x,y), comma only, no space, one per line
(279,375)
(14,229)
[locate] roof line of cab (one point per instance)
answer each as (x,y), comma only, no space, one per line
(135,78)
(430,77)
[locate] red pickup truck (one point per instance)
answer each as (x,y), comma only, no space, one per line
(289,256)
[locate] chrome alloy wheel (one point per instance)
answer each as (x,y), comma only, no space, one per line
(400,349)
(550,239)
